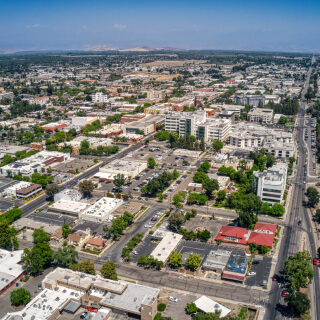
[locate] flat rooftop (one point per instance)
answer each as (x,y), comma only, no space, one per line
(69,206)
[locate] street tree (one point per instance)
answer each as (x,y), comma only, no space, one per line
(217,145)
(86,187)
(108,270)
(193,261)
(298,302)
(65,256)
(85,266)
(204,167)
(313,196)
(52,189)
(191,308)
(176,220)
(175,259)
(151,163)
(119,180)
(19,297)
(160,196)
(221,195)
(298,269)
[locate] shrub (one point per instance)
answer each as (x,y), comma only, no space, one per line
(161,307)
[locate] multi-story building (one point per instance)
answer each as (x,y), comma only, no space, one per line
(259,114)
(270,184)
(279,149)
(197,124)
(99,97)
(254,100)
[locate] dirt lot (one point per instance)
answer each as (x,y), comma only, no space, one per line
(73,164)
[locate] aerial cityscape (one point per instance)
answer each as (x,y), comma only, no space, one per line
(164,170)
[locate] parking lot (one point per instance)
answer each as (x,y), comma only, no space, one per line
(74,165)
(144,249)
(261,266)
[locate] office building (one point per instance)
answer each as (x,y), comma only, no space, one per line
(260,115)
(253,101)
(99,97)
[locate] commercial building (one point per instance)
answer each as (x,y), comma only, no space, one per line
(270,184)
(99,97)
(208,305)
(216,260)
(73,208)
(22,189)
(82,121)
(254,100)
(11,269)
(67,290)
(146,125)
(125,167)
(52,126)
(166,246)
(260,115)
(279,149)
(34,163)
(100,211)
(11,150)
(68,194)
(197,124)
(236,266)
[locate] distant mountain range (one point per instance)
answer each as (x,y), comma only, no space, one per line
(137,49)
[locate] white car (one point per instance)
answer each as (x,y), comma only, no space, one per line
(173,299)
(252,273)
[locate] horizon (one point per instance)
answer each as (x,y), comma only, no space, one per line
(205,25)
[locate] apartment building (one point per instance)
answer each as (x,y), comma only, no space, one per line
(270,184)
(260,115)
(99,97)
(251,100)
(197,124)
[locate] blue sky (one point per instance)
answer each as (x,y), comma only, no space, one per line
(274,25)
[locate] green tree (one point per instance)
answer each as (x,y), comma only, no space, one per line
(318,215)
(299,269)
(175,174)
(253,247)
(217,145)
(8,236)
(204,167)
(313,196)
(264,249)
(283,120)
(221,195)
(52,189)
(65,256)
(175,259)
(85,266)
(177,199)
(191,308)
(108,270)
(277,210)
(200,177)
(160,196)
(176,220)
(210,185)
(66,230)
(298,302)
(86,187)
(40,236)
(119,180)
(193,261)
(245,220)
(19,297)
(151,163)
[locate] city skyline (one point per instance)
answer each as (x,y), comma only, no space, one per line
(54,25)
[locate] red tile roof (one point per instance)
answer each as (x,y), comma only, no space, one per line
(264,226)
(241,235)
(261,238)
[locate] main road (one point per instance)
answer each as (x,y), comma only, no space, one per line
(292,236)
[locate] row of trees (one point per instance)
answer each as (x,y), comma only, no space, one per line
(99,151)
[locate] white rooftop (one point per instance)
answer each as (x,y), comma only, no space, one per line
(208,305)
(69,205)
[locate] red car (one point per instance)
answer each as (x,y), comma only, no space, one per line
(315,262)
(274,278)
(284,293)
(93,310)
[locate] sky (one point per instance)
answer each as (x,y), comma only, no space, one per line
(273,25)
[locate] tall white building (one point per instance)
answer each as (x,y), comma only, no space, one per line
(270,184)
(197,124)
(99,97)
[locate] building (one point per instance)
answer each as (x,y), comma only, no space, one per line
(208,305)
(236,266)
(11,269)
(82,121)
(7,95)
(253,101)
(101,210)
(11,150)
(34,163)
(23,189)
(279,149)
(260,115)
(270,184)
(39,100)
(78,238)
(69,207)
(233,235)
(199,125)
(68,194)
(166,246)
(99,97)
(146,125)
(252,136)
(216,260)
(125,167)
(263,234)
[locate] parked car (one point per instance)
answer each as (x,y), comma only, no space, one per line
(252,273)
(284,293)
(83,315)
(255,262)
(315,262)
(173,299)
